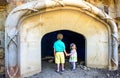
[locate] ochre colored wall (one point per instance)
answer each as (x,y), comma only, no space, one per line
(6,9)
(34,27)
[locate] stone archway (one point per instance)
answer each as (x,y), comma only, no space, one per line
(69,37)
(23,35)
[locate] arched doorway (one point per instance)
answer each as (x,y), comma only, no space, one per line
(25,34)
(69,37)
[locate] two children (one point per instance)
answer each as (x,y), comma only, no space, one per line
(59,51)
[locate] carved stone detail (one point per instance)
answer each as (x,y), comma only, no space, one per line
(12,29)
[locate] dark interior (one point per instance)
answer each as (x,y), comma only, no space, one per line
(68,37)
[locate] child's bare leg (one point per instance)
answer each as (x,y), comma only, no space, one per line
(73,65)
(62,66)
(58,67)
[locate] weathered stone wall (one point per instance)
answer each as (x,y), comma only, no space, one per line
(106,5)
(33,30)
(2,62)
(117,6)
(118,22)
(109,6)
(2,17)
(2,29)
(4,11)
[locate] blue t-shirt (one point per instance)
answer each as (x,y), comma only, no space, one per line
(59,46)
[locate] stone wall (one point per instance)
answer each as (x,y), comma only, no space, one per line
(106,5)
(2,62)
(2,17)
(117,6)
(118,22)
(2,29)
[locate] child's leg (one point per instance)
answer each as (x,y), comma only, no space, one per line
(58,67)
(62,66)
(73,65)
(57,61)
(62,60)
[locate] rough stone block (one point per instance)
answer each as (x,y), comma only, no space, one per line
(119,56)
(2,62)
(1,57)
(2,69)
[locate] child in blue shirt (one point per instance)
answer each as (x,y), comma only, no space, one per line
(59,50)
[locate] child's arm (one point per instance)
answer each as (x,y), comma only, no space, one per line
(72,52)
(54,52)
(69,54)
(65,53)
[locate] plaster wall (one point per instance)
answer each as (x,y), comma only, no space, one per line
(34,27)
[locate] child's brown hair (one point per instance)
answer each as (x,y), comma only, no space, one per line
(60,36)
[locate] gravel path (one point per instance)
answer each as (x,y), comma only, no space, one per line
(81,72)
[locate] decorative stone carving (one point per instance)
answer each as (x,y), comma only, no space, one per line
(12,29)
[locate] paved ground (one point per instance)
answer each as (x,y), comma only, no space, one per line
(2,76)
(81,72)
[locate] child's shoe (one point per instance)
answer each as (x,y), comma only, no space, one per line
(57,71)
(73,69)
(62,70)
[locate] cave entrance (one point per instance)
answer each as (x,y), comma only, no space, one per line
(68,38)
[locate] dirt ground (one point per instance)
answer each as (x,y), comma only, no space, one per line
(81,71)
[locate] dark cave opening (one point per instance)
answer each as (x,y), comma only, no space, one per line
(68,38)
